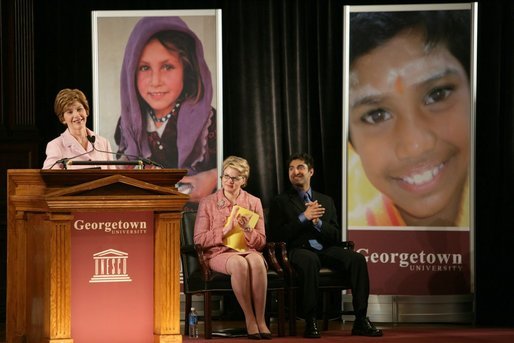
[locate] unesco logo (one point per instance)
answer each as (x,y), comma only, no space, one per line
(110,266)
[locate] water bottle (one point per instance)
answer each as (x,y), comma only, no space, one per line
(193,323)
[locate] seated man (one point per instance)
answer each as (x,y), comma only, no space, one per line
(306,220)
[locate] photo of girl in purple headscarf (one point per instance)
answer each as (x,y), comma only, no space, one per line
(166,93)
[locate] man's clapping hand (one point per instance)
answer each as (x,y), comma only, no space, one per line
(314,211)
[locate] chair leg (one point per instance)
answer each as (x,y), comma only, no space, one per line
(281,313)
(267,309)
(292,312)
(207,315)
(326,299)
(187,310)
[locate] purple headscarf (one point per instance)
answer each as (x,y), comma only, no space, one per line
(193,117)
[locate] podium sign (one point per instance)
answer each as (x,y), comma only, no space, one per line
(93,255)
(112,277)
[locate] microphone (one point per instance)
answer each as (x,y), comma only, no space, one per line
(92,140)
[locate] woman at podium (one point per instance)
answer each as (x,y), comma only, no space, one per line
(77,142)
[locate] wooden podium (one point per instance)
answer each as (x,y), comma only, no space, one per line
(41,204)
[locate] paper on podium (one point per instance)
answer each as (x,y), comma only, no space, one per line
(236,238)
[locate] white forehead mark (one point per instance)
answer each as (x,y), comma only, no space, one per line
(417,71)
(358,95)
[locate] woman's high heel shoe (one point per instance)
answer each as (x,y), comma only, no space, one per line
(254,336)
(266,335)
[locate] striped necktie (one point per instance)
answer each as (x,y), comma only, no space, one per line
(312,242)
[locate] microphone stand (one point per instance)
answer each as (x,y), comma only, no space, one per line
(137,163)
(140,161)
(67,160)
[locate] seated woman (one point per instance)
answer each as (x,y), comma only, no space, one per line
(76,142)
(246,266)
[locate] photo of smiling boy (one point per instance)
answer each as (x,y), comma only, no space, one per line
(409,119)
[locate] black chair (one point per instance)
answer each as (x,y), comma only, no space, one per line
(199,279)
(329,281)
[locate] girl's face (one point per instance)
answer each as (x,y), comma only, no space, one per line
(75,117)
(160,77)
(409,123)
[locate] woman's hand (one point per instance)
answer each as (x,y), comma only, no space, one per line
(243,222)
(228,226)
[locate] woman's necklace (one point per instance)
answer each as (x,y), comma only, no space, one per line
(167,116)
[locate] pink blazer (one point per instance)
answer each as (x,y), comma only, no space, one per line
(66,146)
(212,215)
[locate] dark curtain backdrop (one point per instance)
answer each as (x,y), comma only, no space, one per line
(494,186)
(282,76)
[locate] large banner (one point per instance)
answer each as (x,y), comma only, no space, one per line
(112,277)
(157,90)
(409,88)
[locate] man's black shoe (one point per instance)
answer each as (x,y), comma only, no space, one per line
(363,327)
(311,328)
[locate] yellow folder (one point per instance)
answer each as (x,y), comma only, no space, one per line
(235,239)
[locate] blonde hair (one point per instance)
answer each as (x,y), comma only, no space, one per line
(65,98)
(239,164)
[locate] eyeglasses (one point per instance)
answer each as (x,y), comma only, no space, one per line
(227,177)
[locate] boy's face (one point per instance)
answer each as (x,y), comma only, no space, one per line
(409,123)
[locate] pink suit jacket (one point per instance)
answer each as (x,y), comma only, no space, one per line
(66,146)
(212,215)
